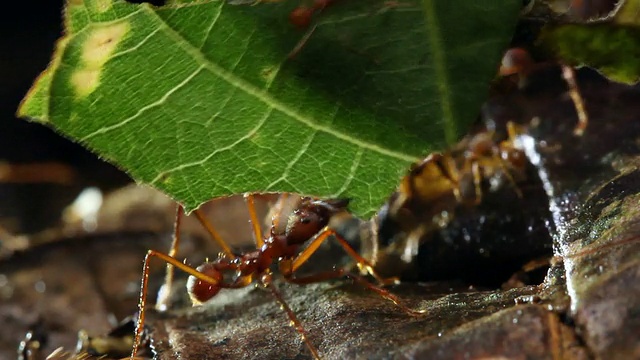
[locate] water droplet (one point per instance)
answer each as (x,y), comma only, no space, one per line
(40,286)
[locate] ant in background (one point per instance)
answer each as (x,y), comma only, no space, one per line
(481,157)
(308,224)
(519,63)
(301,17)
(435,187)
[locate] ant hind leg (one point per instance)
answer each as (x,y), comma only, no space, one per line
(338,273)
(362,263)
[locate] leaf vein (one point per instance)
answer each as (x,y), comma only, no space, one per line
(143,109)
(137,46)
(352,172)
(293,161)
(251,132)
(213,22)
(440,67)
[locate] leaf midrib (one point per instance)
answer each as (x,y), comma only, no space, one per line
(440,71)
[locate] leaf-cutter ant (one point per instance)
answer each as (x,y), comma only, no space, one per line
(307,225)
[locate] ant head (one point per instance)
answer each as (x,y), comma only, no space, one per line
(199,290)
(310,217)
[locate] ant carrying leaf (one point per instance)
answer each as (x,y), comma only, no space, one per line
(307,225)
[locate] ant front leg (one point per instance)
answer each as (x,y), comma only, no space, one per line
(214,234)
(165,291)
(255,224)
(164,294)
(215,281)
(302,42)
(362,263)
(570,77)
(477,182)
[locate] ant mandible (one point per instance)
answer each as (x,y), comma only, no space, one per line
(308,224)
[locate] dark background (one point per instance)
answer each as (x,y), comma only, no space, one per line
(29,32)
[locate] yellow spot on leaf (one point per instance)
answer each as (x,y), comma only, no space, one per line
(268,73)
(166,179)
(96,51)
(102,5)
(85,81)
(101,43)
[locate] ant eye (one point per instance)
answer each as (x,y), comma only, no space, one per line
(305,220)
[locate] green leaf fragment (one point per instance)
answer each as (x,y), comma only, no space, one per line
(611,46)
(199,99)
(613,50)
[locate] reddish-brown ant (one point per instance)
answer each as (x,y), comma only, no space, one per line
(307,225)
(429,194)
(461,170)
(301,16)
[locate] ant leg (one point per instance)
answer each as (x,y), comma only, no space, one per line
(165,290)
(477,182)
(507,174)
(445,170)
(277,210)
(338,273)
(296,49)
(257,231)
(362,263)
(435,173)
(214,234)
(145,283)
(266,281)
(570,77)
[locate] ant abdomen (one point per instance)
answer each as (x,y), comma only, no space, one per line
(200,291)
